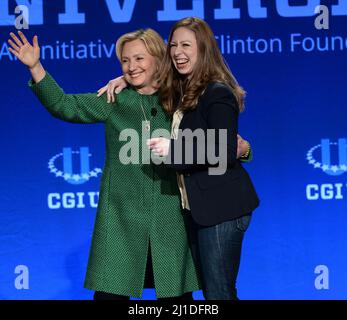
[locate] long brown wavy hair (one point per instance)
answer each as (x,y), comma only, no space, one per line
(210,67)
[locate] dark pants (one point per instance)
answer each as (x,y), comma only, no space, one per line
(217,253)
(149,283)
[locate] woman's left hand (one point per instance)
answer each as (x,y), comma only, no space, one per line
(114,86)
(242,146)
(160,146)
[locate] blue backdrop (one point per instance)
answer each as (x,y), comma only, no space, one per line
(294,72)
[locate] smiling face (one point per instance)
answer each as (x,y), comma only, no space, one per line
(138,66)
(184,50)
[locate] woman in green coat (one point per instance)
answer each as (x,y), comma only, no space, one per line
(139,207)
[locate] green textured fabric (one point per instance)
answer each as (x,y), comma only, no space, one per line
(139,204)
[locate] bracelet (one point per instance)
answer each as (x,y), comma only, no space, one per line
(247,152)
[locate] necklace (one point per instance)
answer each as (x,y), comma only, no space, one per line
(147,122)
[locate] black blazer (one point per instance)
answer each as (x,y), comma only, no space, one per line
(213,198)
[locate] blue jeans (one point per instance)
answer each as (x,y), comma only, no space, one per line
(217,253)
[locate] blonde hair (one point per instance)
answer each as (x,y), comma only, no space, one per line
(153,42)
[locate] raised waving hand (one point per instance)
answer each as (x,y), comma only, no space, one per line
(28,54)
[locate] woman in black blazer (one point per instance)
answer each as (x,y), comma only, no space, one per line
(217,192)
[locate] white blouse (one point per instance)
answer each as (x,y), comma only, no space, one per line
(177,117)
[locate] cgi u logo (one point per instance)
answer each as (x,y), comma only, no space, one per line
(328,149)
(67,173)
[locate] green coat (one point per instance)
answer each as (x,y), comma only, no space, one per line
(139,204)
